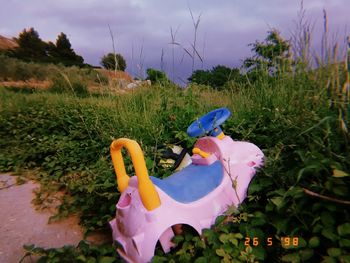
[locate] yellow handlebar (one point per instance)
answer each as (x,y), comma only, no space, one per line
(200,152)
(148,193)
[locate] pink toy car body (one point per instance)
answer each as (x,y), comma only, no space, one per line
(194,196)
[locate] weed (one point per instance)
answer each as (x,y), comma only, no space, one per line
(298,119)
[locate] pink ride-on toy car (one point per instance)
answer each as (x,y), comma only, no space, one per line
(218,177)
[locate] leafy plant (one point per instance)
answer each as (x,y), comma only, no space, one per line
(217,77)
(84,252)
(113,61)
(156,76)
(272,56)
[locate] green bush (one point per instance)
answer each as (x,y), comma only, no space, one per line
(156,76)
(217,77)
(113,61)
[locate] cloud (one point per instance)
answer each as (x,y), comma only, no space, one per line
(225,29)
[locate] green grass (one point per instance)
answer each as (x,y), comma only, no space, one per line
(12,69)
(66,139)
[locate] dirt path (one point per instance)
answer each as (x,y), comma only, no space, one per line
(21,224)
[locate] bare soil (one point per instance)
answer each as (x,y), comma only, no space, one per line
(7,43)
(21,224)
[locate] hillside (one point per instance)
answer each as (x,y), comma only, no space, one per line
(7,43)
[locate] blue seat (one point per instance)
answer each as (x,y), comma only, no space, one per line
(191,183)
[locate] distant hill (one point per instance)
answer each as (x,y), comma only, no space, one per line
(7,43)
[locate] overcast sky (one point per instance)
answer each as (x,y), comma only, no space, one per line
(141,28)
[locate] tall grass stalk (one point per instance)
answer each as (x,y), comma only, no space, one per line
(173,43)
(301,38)
(195,23)
(113,46)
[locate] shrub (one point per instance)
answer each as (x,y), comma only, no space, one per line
(63,84)
(217,77)
(113,61)
(156,76)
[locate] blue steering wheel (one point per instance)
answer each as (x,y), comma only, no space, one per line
(209,123)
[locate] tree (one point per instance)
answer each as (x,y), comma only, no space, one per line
(222,74)
(63,43)
(113,61)
(273,54)
(30,46)
(201,77)
(156,76)
(63,53)
(217,77)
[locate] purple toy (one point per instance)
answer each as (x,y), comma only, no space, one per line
(149,207)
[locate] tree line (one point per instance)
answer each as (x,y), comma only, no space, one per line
(32,48)
(270,57)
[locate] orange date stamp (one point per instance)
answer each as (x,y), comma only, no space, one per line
(286,242)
